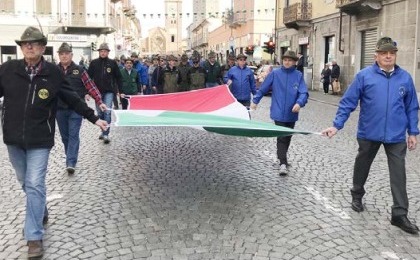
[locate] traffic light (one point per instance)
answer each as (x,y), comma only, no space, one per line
(269,47)
(93,46)
(249,50)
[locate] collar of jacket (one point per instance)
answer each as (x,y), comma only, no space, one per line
(380,71)
(292,68)
(22,68)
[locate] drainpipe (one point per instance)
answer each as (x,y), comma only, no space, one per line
(340,47)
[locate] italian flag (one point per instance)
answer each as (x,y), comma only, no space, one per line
(213,109)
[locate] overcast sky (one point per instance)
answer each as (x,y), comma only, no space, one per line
(157,7)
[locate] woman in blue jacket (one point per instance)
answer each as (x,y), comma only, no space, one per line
(289,94)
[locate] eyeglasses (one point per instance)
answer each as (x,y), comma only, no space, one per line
(32,44)
(241,59)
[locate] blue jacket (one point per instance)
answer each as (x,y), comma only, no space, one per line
(142,70)
(243,82)
(388,105)
(288,88)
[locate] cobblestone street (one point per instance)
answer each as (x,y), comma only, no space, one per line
(183,193)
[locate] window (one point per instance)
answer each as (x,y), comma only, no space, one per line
(43,7)
(172,38)
(7,5)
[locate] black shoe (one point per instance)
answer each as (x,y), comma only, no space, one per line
(70,170)
(45,220)
(356,205)
(405,224)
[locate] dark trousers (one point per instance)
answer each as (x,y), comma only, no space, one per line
(396,164)
(124,103)
(283,143)
(326,85)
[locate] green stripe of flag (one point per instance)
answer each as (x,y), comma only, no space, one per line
(212,123)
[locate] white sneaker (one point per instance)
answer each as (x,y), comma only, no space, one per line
(283,170)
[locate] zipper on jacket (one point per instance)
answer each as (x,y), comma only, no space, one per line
(386,109)
(25,112)
(33,95)
(48,120)
(287,91)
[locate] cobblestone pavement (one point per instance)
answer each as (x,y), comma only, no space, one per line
(181,193)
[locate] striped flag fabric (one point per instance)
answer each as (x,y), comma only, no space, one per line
(213,109)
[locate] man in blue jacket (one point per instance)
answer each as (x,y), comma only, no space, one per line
(388,112)
(241,81)
(289,94)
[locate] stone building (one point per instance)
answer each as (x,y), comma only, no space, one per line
(347,31)
(84,24)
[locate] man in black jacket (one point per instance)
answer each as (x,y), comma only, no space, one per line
(31,87)
(107,77)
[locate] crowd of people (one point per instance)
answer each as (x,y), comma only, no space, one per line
(37,93)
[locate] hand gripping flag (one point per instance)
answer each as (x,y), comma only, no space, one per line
(214,109)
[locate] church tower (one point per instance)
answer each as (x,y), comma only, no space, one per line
(173,26)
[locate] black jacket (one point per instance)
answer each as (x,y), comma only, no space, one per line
(29,109)
(106,75)
(335,72)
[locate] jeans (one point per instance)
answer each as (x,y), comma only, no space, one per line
(283,143)
(69,123)
(31,169)
(107,98)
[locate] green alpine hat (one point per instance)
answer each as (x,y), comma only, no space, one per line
(32,34)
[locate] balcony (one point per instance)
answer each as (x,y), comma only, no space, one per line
(355,7)
(297,15)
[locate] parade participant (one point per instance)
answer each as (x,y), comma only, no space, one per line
(213,71)
(169,76)
(31,87)
(68,120)
(183,69)
(131,82)
(196,74)
(388,112)
(107,77)
(229,64)
(241,81)
(152,67)
(289,95)
(157,78)
(142,70)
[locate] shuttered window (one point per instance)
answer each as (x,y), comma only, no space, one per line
(369,39)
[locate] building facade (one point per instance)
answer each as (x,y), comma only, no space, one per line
(347,31)
(84,24)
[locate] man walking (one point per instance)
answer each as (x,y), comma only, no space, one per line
(388,113)
(241,81)
(107,77)
(68,120)
(289,95)
(31,87)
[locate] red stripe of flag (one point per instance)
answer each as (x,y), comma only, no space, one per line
(199,101)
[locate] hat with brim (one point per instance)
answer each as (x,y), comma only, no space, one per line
(386,44)
(104,46)
(65,47)
(290,55)
(241,56)
(32,34)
